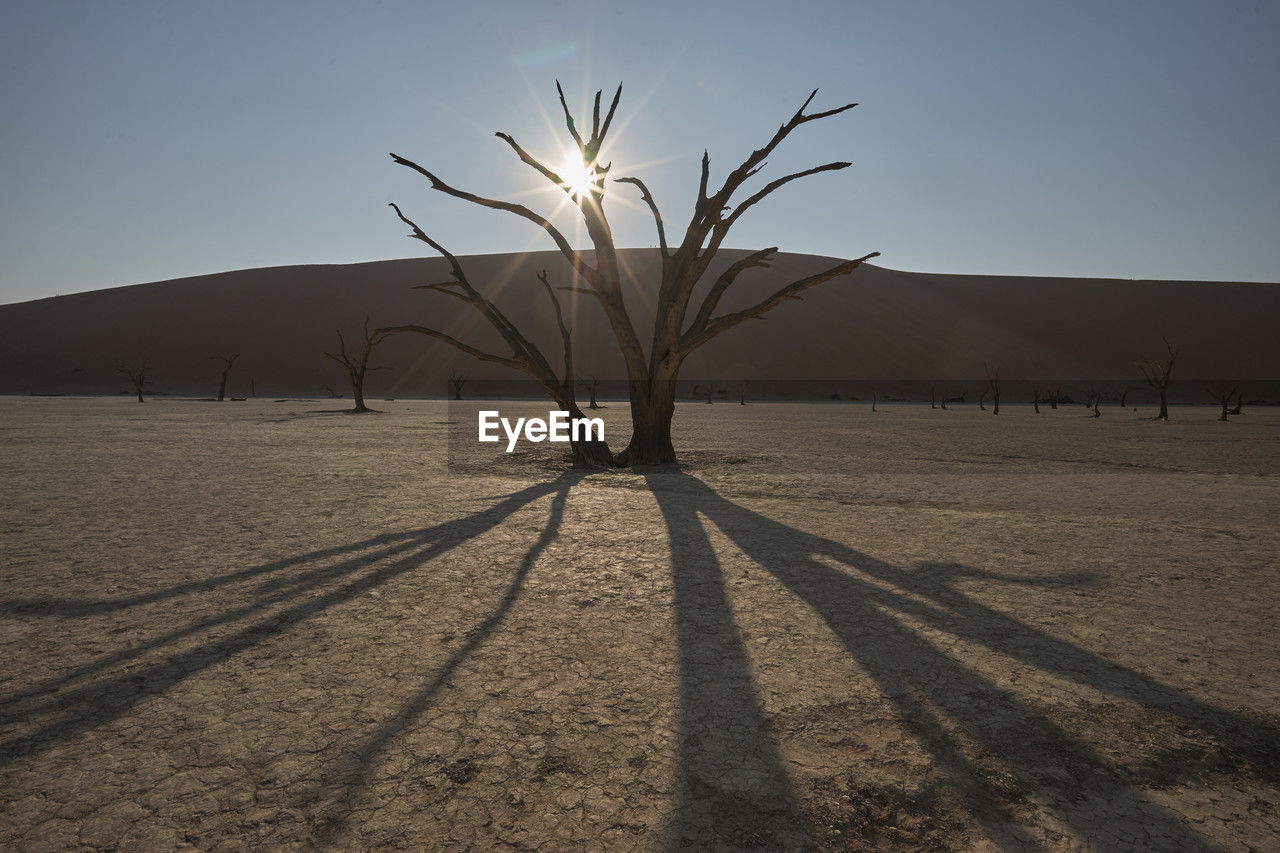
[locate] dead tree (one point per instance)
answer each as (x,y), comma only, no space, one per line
(993,386)
(1035,398)
(456,383)
(1239,403)
(873,401)
(742,394)
(1157,374)
(358,367)
(1054,397)
(1092,399)
(227,362)
(591,385)
(137,376)
(1124,394)
(651,375)
(1223,399)
(932,398)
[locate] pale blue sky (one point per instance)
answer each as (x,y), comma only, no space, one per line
(142,141)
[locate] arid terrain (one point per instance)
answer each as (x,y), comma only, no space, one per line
(264,624)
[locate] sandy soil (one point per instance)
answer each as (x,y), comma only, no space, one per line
(246,624)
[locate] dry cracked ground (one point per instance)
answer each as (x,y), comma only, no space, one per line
(262,624)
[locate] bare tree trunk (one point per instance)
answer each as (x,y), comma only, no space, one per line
(1239,403)
(1157,374)
(591,385)
(993,384)
(932,398)
(1035,398)
(873,401)
(1124,394)
(227,362)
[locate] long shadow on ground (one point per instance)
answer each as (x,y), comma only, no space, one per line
(734,788)
(76,701)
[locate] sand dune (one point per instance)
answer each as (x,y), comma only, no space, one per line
(877,324)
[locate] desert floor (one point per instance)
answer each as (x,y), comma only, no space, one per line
(263,624)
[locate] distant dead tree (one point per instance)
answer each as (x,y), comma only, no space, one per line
(1035,397)
(1054,397)
(651,375)
(932,398)
(227,362)
(136,374)
(993,385)
(358,367)
(591,384)
(1124,394)
(742,394)
(456,383)
(1223,399)
(1092,399)
(1157,374)
(333,395)
(873,401)
(1239,404)
(253,387)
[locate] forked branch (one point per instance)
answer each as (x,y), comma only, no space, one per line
(700,334)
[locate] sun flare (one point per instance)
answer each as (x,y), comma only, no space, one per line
(578,178)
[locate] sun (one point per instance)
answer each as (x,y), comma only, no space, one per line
(578,178)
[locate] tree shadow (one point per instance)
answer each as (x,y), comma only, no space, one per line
(100,691)
(734,788)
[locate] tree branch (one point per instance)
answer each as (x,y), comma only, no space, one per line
(653,206)
(696,337)
(761,258)
(566,337)
(568,117)
(773,185)
(530,160)
(514,362)
(588,273)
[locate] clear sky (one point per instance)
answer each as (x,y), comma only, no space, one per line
(143,141)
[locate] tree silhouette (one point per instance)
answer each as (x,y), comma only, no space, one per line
(227,362)
(652,376)
(358,368)
(456,383)
(1157,374)
(137,375)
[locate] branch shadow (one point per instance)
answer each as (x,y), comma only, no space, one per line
(98,692)
(734,787)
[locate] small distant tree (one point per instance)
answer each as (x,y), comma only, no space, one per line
(591,384)
(227,362)
(932,398)
(873,401)
(137,376)
(358,367)
(1239,403)
(993,386)
(1157,374)
(1124,395)
(1092,399)
(1035,398)
(742,394)
(456,383)
(1224,399)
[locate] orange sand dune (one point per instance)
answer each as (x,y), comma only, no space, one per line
(877,324)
